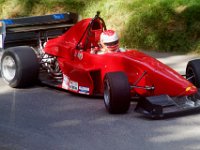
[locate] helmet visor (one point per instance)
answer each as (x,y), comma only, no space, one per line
(112,43)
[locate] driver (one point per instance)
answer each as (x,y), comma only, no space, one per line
(109,42)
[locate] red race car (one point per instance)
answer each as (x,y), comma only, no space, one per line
(59,51)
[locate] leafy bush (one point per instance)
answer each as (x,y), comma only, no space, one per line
(165,25)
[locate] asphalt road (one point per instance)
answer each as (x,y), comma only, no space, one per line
(42,118)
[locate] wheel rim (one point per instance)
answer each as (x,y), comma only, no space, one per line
(8,68)
(107,93)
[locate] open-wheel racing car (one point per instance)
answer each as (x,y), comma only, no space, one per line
(56,49)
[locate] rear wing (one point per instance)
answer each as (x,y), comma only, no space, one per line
(29,30)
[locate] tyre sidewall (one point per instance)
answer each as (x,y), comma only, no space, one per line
(194,66)
(27,66)
(119,101)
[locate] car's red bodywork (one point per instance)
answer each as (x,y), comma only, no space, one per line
(84,72)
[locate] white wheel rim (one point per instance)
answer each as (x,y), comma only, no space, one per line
(107,93)
(8,68)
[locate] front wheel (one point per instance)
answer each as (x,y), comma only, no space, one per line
(19,66)
(193,72)
(116,92)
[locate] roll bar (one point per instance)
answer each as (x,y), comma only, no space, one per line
(87,31)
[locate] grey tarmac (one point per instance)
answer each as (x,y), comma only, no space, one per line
(42,118)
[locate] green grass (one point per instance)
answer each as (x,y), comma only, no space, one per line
(165,25)
(160,25)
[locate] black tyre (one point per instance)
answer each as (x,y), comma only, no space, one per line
(193,72)
(116,92)
(19,66)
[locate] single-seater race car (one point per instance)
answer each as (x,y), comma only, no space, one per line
(56,49)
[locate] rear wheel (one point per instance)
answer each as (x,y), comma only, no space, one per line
(116,92)
(19,66)
(193,72)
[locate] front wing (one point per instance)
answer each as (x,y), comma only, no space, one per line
(165,106)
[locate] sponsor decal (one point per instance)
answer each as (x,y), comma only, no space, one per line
(73,85)
(80,55)
(58,16)
(65,83)
(8,21)
(69,84)
(84,90)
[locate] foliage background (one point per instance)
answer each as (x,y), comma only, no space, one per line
(160,25)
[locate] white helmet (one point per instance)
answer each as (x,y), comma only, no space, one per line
(108,36)
(110,39)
